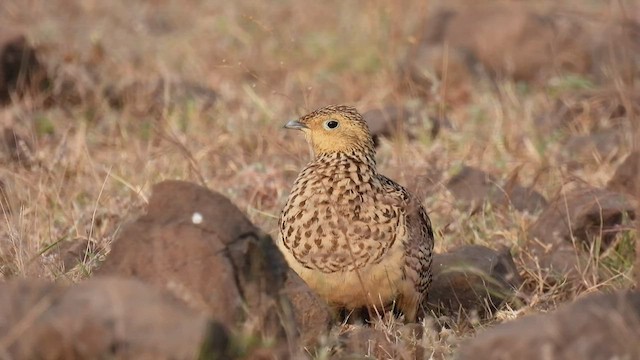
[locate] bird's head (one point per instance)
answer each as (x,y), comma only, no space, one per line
(334,129)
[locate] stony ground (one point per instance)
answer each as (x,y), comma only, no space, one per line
(514,121)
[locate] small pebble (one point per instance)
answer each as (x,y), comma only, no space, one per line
(196,218)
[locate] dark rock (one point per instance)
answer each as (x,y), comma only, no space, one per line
(427,183)
(593,110)
(616,47)
(556,263)
(605,144)
(199,246)
(472,279)
(18,297)
(520,198)
(21,72)
(627,176)
(474,187)
(102,318)
(74,84)
(600,326)
(71,253)
(528,44)
(583,215)
(386,122)
(392,120)
(312,313)
(438,73)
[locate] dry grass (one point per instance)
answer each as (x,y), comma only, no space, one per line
(94,164)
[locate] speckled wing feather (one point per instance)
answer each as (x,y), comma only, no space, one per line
(419,239)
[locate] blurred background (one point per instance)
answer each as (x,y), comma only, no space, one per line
(493,112)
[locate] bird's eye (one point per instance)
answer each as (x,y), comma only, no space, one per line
(331,124)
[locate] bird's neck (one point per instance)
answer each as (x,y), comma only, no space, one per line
(365,159)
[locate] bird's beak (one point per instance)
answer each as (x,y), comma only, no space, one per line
(295,124)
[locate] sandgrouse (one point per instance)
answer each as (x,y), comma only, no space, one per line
(356,237)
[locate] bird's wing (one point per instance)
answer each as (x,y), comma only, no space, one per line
(419,241)
(414,210)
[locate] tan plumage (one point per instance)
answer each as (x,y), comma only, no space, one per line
(356,237)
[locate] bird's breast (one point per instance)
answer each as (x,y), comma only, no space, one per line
(338,223)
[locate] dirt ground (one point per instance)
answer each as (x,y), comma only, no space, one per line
(513,121)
